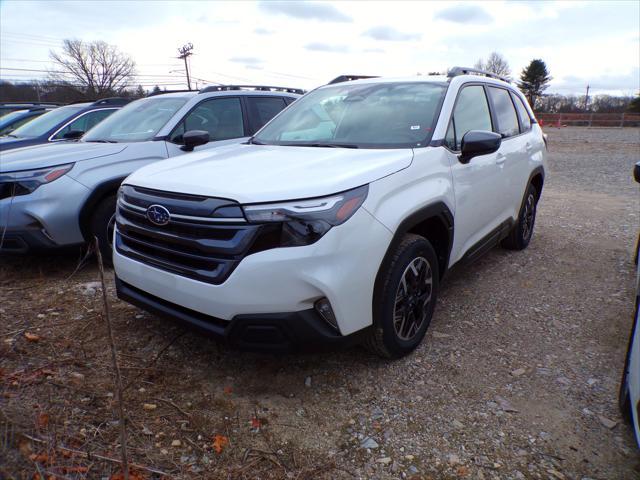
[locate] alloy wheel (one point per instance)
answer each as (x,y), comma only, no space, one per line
(412,298)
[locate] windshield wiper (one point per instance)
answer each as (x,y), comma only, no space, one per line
(253,141)
(329,145)
(101,141)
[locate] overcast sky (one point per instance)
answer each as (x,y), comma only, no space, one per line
(305,44)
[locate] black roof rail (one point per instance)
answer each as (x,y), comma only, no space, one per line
(7,104)
(262,88)
(348,78)
(162,92)
(111,101)
(36,109)
(455,71)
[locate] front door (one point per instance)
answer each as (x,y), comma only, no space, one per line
(478,185)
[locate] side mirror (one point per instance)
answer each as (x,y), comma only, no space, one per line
(478,142)
(73,134)
(193,139)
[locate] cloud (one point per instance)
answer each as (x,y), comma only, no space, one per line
(306,10)
(464,14)
(373,50)
(246,60)
(325,47)
(263,31)
(390,34)
(254,67)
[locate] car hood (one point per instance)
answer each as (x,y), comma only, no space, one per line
(260,173)
(42,156)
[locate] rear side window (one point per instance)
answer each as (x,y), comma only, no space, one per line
(263,109)
(470,113)
(505,112)
(221,117)
(523,114)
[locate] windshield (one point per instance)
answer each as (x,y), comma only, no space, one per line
(137,122)
(46,122)
(370,115)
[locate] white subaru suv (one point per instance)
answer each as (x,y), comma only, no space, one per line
(337,221)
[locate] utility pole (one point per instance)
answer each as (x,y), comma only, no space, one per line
(185,52)
(586,99)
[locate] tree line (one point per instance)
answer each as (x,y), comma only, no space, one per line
(92,70)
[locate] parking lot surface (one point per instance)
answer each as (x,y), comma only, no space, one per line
(517,377)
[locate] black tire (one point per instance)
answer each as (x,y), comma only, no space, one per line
(522,232)
(384,339)
(101,226)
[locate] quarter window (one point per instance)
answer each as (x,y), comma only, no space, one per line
(523,114)
(470,113)
(505,112)
(221,117)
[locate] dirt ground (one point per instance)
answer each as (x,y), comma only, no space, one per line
(516,379)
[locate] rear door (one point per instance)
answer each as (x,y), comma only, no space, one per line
(513,151)
(479,184)
(222,117)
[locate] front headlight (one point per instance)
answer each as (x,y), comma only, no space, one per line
(26,181)
(305,221)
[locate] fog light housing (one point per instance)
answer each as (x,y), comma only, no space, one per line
(323,307)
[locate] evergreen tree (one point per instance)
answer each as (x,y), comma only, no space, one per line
(534,80)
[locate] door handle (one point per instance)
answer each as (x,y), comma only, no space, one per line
(528,147)
(500,159)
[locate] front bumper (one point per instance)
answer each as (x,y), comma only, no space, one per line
(47,218)
(276,332)
(342,266)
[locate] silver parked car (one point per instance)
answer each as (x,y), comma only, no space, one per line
(65,194)
(630,385)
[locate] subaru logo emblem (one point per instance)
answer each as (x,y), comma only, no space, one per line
(158,215)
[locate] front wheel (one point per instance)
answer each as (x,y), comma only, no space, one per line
(403,305)
(102,226)
(520,236)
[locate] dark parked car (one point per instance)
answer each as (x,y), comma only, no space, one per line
(64,123)
(8,107)
(17,118)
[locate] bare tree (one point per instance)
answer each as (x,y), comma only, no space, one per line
(95,67)
(495,63)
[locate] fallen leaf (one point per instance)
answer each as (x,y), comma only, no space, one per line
(149,406)
(219,442)
(255,423)
(228,390)
(43,420)
(462,471)
(31,337)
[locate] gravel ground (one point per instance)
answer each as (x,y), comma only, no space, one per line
(517,377)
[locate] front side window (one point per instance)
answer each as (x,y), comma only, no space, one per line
(523,114)
(139,121)
(470,113)
(46,122)
(368,115)
(85,122)
(263,109)
(505,112)
(221,117)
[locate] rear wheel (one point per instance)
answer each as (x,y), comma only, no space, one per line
(520,235)
(405,301)
(102,225)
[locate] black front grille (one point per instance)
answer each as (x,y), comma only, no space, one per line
(205,239)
